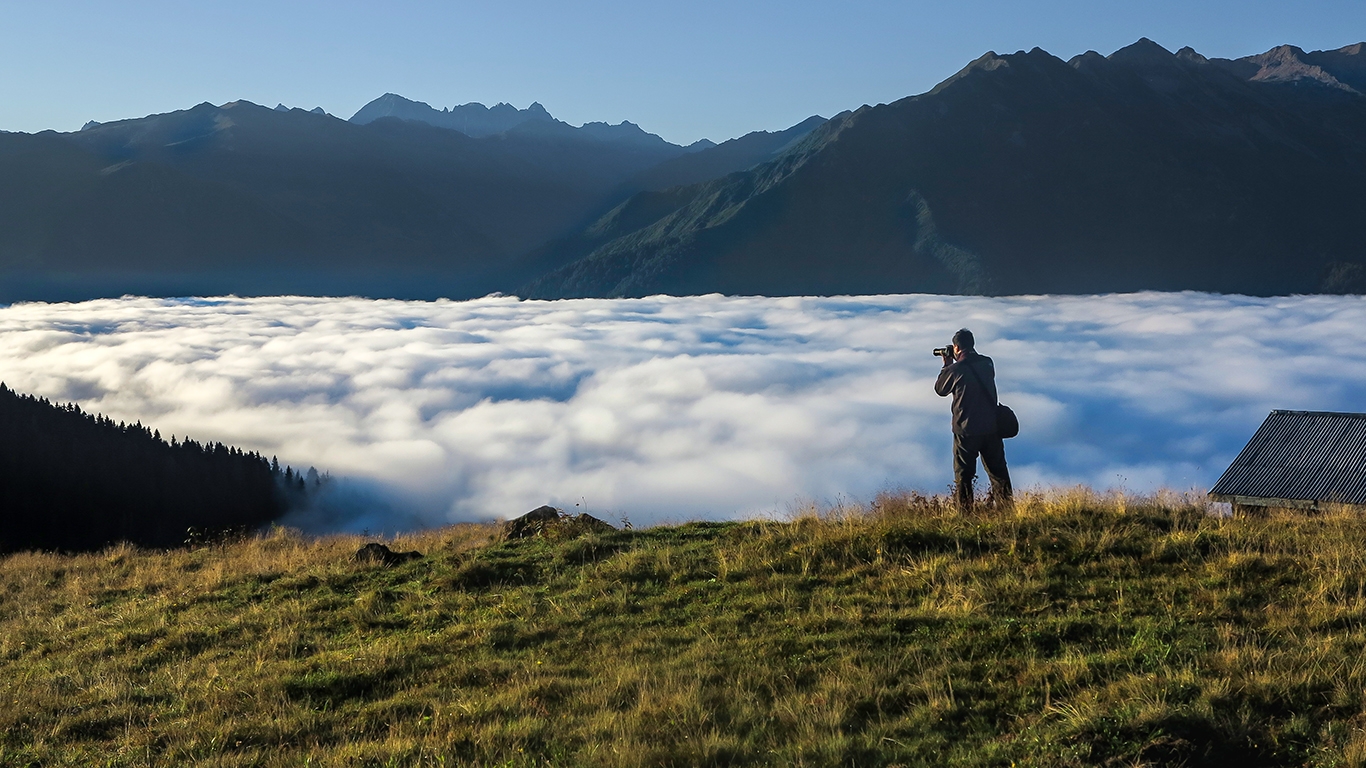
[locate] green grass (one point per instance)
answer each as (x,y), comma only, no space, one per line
(1074,630)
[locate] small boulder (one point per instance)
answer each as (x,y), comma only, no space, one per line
(375,552)
(585,523)
(547,519)
(532,523)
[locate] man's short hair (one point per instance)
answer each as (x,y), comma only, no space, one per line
(963,339)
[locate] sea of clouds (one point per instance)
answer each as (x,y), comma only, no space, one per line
(666,409)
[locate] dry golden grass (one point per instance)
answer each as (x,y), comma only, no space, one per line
(1074,629)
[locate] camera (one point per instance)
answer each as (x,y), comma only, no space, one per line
(944,351)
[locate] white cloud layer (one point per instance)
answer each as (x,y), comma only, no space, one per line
(677,408)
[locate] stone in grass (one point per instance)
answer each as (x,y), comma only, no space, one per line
(534,522)
(378,553)
(577,525)
(548,519)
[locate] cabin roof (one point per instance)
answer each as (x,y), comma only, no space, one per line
(1300,456)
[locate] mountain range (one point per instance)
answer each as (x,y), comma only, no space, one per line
(1022,173)
(477,120)
(241,198)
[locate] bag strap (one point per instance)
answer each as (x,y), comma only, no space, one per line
(978,376)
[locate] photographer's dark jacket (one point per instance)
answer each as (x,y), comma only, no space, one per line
(974,402)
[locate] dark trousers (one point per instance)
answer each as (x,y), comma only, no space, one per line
(992,449)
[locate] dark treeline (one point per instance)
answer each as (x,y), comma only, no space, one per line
(71,480)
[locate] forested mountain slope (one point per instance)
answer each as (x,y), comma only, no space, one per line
(1028,174)
(70,480)
(247,199)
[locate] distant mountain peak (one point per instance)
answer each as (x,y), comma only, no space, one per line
(476,120)
(1343,69)
(313,111)
(623,124)
(987,62)
(625,131)
(472,119)
(1290,64)
(1143,53)
(1087,60)
(1187,53)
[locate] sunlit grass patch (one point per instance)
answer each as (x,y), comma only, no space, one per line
(1076,629)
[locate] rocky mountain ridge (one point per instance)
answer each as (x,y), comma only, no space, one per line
(477,121)
(244,199)
(1024,173)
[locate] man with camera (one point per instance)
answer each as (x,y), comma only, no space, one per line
(971,378)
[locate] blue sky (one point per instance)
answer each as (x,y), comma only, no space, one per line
(685,70)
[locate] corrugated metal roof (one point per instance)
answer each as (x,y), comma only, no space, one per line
(1315,456)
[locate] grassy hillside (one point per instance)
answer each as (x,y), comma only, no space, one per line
(1073,631)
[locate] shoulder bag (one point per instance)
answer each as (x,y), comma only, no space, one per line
(1007,425)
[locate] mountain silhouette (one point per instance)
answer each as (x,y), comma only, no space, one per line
(1344,68)
(1024,173)
(476,120)
(720,159)
(473,119)
(246,199)
(714,162)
